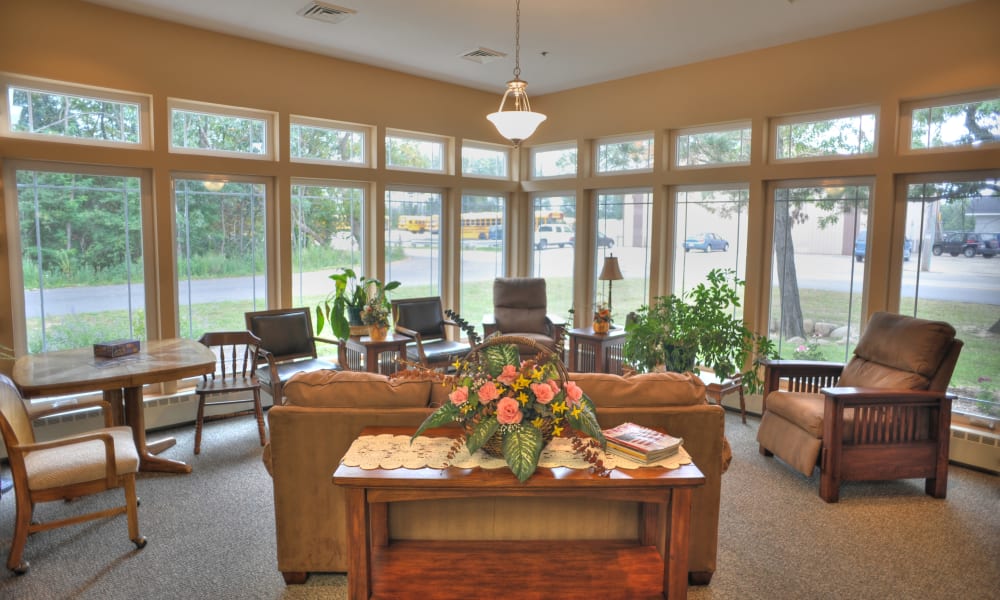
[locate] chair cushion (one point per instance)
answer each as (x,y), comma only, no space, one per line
(355,389)
(287,369)
(439,351)
(284,334)
(80,462)
(894,342)
(804,410)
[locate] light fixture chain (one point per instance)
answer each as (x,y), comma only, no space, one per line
(517,39)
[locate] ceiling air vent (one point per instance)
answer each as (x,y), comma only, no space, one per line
(482,55)
(328,13)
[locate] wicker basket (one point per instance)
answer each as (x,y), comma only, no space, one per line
(494,446)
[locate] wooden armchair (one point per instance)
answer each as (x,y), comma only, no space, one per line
(423,320)
(288,346)
(64,469)
(520,309)
(884,415)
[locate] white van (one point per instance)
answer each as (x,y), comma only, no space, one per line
(551,234)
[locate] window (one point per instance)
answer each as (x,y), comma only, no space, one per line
(623,229)
(625,154)
(198,128)
(326,236)
(480,160)
(830,134)
(553,161)
(416,152)
(321,141)
(711,233)
(553,257)
(54,111)
(970,121)
(817,290)
(81,245)
(482,252)
(712,147)
(952,224)
(220,253)
(413,242)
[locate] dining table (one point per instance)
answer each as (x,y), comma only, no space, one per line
(121,380)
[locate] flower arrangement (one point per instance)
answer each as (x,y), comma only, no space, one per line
(375,313)
(498,397)
(602,318)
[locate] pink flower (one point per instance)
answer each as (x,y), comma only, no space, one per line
(543,392)
(460,396)
(554,386)
(488,392)
(509,411)
(801,349)
(573,391)
(508,375)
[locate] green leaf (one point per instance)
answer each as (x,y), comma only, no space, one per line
(495,358)
(442,416)
(481,434)
(586,421)
(522,445)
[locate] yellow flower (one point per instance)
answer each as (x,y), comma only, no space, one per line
(557,430)
(558,407)
(521,383)
(523,398)
(576,411)
(538,422)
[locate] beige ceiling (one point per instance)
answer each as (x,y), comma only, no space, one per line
(564,43)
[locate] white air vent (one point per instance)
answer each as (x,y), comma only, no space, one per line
(482,55)
(328,13)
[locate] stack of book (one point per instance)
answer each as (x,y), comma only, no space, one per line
(640,443)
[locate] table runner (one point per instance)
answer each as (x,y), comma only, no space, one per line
(388,451)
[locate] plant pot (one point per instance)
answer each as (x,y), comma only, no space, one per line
(378,333)
(601,326)
(354,316)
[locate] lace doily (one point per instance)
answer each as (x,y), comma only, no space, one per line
(388,451)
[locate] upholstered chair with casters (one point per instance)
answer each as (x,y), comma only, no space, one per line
(235,373)
(520,309)
(423,320)
(885,414)
(287,347)
(64,469)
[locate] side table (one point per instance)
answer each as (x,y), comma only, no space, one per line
(366,354)
(591,352)
(719,388)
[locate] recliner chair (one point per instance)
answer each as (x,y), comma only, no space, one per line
(520,309)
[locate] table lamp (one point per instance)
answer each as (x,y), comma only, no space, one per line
(610,272)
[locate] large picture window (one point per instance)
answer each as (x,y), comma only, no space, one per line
(553,258)
(711,233)
(413,242)
(624,219)
(326,236)
(483,243)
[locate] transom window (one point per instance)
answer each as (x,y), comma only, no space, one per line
(322,141)
(415,152)
(625,154)
(825,135)
(198,128)
(482,160)
(553,161)
(957,121)
(55,111)
(713,146)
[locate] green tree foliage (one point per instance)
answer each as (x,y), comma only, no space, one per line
(74,116)
(973,122)
(218,132)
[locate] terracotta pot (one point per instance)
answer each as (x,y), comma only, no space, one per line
(601,326)
(378,333)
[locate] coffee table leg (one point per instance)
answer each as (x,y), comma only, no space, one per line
(136,419)
(359,545)
(675,564)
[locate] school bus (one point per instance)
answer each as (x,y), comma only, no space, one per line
(543,217)
(476,225)
(419,223)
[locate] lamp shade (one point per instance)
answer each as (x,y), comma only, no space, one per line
(516,125)
(610,271)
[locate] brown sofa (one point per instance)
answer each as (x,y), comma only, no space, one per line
(325,411)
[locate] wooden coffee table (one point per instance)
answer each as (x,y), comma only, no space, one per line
(380,568)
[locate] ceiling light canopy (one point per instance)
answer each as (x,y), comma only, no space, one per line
(518,123)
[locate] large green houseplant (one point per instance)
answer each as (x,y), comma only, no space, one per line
(699,328)
(351,292)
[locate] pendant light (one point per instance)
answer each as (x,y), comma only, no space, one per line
(518,123)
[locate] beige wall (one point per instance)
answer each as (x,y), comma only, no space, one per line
(952,51)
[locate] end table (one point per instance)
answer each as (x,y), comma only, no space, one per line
(591,352)
(366,354)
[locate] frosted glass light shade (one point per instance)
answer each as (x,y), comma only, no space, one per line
(516,125)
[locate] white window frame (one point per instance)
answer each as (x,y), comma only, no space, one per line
(447,159)
(367,132)
(677,134)
(906,121)
(144,101)
(535,150)
(505,150)
(270,127)
(622,139)
(815,117)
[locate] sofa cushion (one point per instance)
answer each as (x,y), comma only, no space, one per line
(346,389)
(646,389)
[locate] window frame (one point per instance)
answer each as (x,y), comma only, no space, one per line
(815,117)
(622,139)
(676,135)
(505,150)
(447,159)
(367,132)
(906,108)
(38,84)
(535,150)
(270,119)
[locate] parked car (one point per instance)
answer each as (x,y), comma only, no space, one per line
(958,243)
(989,244)
(861,243)
(495,232)
(706,242)
(603,241)
(551,234)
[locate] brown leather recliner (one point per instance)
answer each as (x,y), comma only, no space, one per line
(885,415)
(519,308)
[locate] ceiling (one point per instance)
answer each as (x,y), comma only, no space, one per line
(564,43)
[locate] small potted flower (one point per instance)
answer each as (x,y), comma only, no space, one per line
(602,318)
(511,408)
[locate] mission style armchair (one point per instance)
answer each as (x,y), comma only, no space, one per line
(884,415)
(287,346)
(520,309)
(423,320)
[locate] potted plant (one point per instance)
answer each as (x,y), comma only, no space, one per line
(699,328)
(351,293)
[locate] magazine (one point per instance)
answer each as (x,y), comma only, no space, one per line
(641,443)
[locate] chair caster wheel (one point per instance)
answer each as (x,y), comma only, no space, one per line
(21,568)
(140,542)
